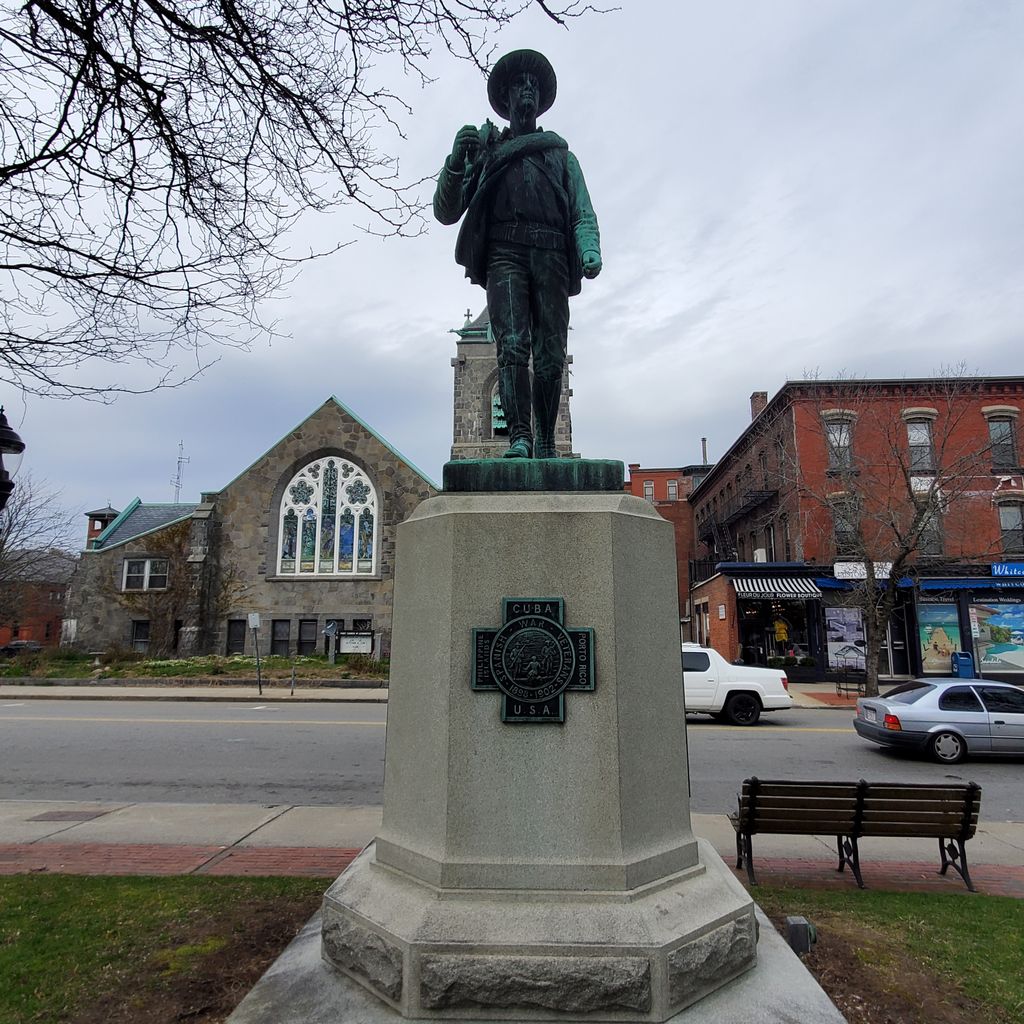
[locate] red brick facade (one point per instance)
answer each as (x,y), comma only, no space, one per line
(668,490)
(770,493)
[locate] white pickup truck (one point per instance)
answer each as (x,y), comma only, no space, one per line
(731,693)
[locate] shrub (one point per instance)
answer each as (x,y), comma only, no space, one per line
(777,662)
(808,663)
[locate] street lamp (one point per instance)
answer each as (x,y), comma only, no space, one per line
(11,448)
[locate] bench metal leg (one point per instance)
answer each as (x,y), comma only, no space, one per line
(955,857)
(745,854)
(849,854)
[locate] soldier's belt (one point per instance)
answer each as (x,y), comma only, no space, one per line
(537,235)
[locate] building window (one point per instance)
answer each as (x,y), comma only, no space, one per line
(1011,526)
(307,636)
(140,635)
(673,490)
(1004,448)
(144,574)
(15,631)
(769,542)
(362,625)
(328,521)
(919,440)
(499,425)
(280,635)
(649,490)
(845,523)
(839,438)
(787,544)
(236,636)
(930,540)
(48,631)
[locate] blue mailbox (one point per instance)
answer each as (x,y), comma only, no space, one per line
(962,664)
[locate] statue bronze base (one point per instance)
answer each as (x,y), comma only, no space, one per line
(567,475)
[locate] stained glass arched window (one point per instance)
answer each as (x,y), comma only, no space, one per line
(328,521)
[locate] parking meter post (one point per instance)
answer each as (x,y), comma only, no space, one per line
(331,632)
(256,645)
(293,679)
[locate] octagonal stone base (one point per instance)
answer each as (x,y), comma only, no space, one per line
(640,955)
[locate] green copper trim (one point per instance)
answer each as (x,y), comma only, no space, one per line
(481,475)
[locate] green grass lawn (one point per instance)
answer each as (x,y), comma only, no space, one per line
(69,942)
(79,950)
(60,664)
(971,942)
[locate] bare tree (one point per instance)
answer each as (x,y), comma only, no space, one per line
(36,540)
(154,153)
(908,482)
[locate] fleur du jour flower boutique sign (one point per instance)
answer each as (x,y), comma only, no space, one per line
(533,660)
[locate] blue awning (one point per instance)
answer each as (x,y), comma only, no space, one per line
(831,583)
(983,583)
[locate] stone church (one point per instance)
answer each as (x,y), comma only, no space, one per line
(303,537)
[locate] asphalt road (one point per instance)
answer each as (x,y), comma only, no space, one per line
(333,755)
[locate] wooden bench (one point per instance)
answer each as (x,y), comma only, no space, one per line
(851,810)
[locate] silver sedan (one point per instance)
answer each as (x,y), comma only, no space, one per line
(948,719)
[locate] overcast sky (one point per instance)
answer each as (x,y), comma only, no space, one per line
(781,187)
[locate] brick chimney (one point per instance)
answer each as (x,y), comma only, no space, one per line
(758,400)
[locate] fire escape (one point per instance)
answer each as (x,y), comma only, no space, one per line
(715,530)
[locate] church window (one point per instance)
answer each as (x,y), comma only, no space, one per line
(499,425)
(328,521)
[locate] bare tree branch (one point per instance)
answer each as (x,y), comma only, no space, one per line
(154,154)
(36,541)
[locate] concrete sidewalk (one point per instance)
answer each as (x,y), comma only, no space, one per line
(805,695)
(243,692)
(253,839)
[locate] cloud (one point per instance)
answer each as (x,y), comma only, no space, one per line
(780,187)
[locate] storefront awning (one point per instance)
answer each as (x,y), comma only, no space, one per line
(781,588)
(982,583)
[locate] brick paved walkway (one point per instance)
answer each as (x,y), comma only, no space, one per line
(892,876)
(152,859)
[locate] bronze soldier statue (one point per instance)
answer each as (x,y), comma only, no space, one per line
(529,237)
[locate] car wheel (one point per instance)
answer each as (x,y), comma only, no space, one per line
(742,709)
(948,747)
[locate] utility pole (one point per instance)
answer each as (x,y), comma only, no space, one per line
(182,459)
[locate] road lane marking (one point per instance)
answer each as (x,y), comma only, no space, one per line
(180,721)
(714,728)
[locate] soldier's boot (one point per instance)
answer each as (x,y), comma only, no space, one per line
(546,397)
(514,391)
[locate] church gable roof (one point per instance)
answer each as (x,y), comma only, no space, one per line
(303,431)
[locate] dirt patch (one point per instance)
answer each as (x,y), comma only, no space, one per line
(872,983)
(202,967)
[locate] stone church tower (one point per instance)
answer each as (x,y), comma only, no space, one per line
(479,430)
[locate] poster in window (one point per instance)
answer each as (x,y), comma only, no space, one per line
(844,635)
(939,630)
(1000,642)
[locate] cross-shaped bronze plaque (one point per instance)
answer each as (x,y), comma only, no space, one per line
(533,659)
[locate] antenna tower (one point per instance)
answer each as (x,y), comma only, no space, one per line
(182,459)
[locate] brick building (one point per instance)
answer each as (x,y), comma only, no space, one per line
(32,596)
(830,475)
(668,490)
(303,536)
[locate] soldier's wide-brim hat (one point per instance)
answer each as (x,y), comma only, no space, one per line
(515,63)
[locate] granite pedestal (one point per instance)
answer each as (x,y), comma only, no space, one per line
(542,871)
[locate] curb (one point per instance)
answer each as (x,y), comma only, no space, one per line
(201,698)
